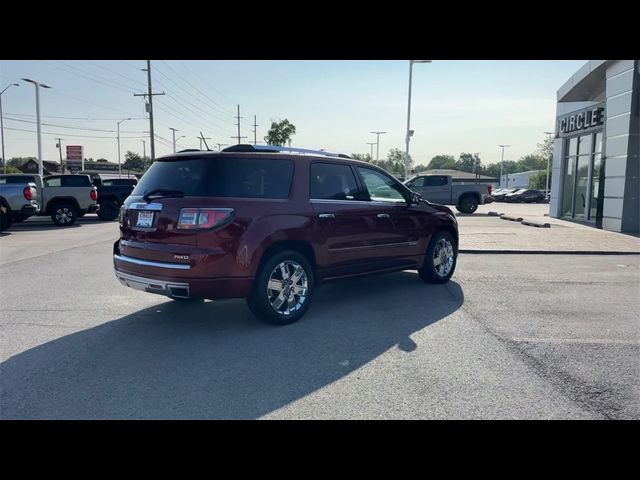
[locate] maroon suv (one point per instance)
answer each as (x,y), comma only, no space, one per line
(269,224)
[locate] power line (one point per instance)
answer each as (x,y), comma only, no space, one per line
(86,119)
(116,73)
(72,127)
(209,86)
(72,135)
(76,73)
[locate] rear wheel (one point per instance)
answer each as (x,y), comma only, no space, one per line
(64,214)
(440,260)
(467,205)
(4,220)
(108,211)
(282,289)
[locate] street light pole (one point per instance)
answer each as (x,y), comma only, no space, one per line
(372,144)
(378,145)
(409,132)
(144,150)
(173,130)
(501,162)
(4,160)
(221,145)
(39,130)
(546,192)
(119,164)
(205,138)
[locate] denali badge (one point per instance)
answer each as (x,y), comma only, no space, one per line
(181,257)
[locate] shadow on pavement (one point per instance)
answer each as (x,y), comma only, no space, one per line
(45,223)
(214,359)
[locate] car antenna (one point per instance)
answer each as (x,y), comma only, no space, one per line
(205,142)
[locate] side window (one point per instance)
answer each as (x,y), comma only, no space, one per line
(52,182)
(419,182)
(330,181)
(76,181)
(435,181)
(382,188)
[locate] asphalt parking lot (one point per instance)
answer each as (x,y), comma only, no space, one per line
(510,337)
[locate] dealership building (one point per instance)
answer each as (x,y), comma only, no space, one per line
(596,162)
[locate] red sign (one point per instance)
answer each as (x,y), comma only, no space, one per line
(74,152)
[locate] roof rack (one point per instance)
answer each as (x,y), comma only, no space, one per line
(275,148)
(190,150)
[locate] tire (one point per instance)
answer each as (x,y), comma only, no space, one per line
(64,214)
(467,205)
(108,211)
(438,273)
(263,300)
(4,221)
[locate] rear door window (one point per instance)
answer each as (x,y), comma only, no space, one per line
(332,181)
(435,181)
(220,177)
(52,182)
(76,181)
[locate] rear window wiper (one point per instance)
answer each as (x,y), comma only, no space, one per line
(162,192)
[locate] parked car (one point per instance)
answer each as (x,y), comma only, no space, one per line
(268,224)
(527,196)
(17,200)
(63,197)
(112,194)
(499,195)
(442,190)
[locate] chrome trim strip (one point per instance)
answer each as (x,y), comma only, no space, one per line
(156,207)
(380,245)
(148,263)
(150,285)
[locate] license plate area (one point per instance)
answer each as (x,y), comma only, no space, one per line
(144,219)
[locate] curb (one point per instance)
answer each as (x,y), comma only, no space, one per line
(543,252)
(536,224)
(495,214)
(512,219)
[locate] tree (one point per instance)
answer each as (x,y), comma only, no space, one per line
(19,161)
(538,181)
(532,162)
(420,168)
(133,161)
(280,133)
(442,161)
(363,157)
(468,162)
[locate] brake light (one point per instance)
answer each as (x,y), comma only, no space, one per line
(201,218)
(28,193)
(490,189)
(94,194)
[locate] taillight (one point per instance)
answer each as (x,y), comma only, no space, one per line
(28,193)
(490,189)
(94,194)
(200,218)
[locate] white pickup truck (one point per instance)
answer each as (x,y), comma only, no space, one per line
(17,199)
(443,190)
(63,197)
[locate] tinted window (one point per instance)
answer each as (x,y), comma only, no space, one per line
(76,181)
(220,177)
(418,182)
(381,187)
(330,181)
(121,181)
(52,182)
(435,181)
(17,179)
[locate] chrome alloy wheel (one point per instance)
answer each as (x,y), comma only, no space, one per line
(287,287)
(443,257)
(64,215)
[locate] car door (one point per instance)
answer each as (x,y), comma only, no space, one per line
(398,227)
(342,224)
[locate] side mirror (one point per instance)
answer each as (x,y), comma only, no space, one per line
(416,198)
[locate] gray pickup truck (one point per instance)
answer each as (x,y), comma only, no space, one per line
(17,199)
(441,189)
(63,197)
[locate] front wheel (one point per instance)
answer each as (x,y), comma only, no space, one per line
(282,289)
(440,260)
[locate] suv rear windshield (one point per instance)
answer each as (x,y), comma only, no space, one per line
(220,177)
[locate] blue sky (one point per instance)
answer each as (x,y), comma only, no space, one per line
(457,106)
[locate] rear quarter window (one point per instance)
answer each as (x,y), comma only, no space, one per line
(221,177)
(79,181)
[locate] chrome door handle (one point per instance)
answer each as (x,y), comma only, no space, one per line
(383,215)
(326,215)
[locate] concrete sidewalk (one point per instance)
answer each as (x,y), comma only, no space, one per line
(480,232)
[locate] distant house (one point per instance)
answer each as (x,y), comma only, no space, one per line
(459,176)
(49,168)
(75,166)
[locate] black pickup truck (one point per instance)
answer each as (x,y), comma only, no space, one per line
(112,194)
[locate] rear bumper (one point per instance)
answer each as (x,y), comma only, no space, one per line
(93,208)
(161,287)
(29,210)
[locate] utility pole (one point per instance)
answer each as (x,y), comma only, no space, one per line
(144,150)
(200,138)
(255,130)
(4,160)
(174,138)
(372,144)
(238,124)
(59,145)
(221,145)
(378,144)
(546,192)
(150,94)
